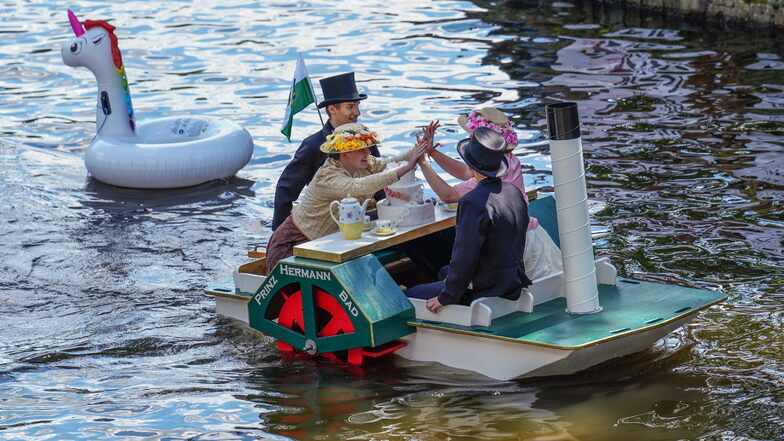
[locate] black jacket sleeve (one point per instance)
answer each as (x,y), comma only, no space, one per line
(294,178)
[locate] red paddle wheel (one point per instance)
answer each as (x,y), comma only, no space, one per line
(330,320)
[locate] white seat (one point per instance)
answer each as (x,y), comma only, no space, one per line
(480,312)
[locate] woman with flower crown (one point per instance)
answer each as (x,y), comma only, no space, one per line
(348,170)
(542,257)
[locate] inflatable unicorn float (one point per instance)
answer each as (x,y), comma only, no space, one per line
(168,152)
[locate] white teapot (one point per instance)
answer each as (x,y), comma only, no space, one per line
(351,216)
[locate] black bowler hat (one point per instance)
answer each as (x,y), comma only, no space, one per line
(339,89)
(484,152)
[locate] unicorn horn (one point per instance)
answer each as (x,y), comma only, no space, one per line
(75,25)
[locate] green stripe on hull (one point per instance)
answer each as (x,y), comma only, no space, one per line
(629,307)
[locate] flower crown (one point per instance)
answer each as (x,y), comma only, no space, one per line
(475,120)
(350,139)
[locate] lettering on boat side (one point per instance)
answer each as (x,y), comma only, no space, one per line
(265,290)
(307,273)
(348,303)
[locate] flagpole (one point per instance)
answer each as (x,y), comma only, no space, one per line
(299,55)
(314,94)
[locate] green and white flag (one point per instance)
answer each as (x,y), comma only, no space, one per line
(300,96)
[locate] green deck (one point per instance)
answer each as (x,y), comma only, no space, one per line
(629,307)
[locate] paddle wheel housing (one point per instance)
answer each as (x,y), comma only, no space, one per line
(342,311)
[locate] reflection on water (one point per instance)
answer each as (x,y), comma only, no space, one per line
(104,332)
(211,198)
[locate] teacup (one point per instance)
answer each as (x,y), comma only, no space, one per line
(383,225)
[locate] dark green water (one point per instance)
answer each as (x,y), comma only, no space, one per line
(104,331)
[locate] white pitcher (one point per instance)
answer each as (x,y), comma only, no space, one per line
(351,216)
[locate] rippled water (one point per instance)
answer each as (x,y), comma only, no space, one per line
(104,330)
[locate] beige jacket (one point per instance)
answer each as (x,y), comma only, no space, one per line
(332,182)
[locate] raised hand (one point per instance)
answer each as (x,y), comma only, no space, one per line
(416,154)
(432,127)
(429,133)
(427,145)
(420,148)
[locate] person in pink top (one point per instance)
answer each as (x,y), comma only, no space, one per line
(542,257)
(496,120)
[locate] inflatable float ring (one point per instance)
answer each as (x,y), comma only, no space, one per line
(166,152)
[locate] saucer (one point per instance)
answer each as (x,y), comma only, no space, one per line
(387,233)
(368,227)
(446,207)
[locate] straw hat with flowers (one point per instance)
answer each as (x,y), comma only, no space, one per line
(492,118)
(350,137)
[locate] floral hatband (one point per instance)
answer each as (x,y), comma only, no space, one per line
(475,120)
(350,137)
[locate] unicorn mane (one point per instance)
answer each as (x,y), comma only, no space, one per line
(118,63)
(116,56)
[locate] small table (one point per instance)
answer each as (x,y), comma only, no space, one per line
(335,248)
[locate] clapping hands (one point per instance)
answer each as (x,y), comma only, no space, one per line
(417,153)
(428,134)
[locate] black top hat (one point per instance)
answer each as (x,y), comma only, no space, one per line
(339,89)
(484,152)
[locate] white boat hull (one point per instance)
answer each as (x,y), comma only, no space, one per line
(506,360)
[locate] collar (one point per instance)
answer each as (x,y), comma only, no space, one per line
(488,180)
(327,129)
(335,163)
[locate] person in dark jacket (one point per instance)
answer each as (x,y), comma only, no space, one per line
(342,102)
(487,258)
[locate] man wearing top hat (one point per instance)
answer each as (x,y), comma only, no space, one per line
(342,102)
(489,233)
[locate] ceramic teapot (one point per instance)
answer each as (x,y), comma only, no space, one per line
(351,216)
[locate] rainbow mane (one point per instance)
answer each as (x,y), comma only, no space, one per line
(117,58)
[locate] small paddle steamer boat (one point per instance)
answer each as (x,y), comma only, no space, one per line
(341,299)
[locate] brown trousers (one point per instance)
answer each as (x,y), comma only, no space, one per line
(282,242)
